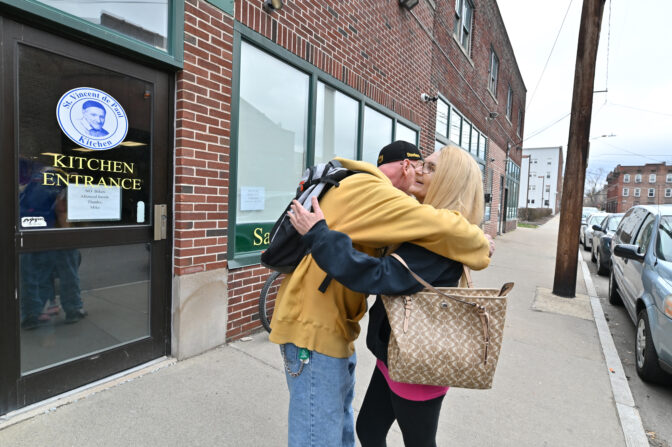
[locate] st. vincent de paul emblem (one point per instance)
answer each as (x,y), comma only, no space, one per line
(92,118)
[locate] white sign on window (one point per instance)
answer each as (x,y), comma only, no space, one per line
(252,198)
(86,203)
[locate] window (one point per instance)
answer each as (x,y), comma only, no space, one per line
(626,192)
(548,174)
(509,103)
(494,70)
(442,118)
(549,161)
(473,147)
(404,133)
(464,12)
(548,188)
(668,178)
(652,192)
(638,178)
(455,127)
(533,187)
(377,133)
(645,233)
(636,192)
(466,135)
(626,178)
(668,192)
(520,122)
(652,178)
(534,161)
(513,185)
(335,124)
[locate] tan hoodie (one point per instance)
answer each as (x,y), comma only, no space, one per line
(374,214)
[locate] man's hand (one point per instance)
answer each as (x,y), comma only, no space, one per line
(302,219)
(491,241)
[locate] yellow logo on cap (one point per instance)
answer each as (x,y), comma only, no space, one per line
(380,158)
(412,155)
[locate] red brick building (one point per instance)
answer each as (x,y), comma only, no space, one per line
(628,186)
(216,107)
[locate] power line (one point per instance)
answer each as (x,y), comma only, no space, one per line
(640,109)
(529,104)
(539,131)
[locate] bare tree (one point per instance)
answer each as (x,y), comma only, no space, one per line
(594,192)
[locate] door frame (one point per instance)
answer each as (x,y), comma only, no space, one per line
(16,390)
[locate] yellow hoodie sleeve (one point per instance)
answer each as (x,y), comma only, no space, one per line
(374,213)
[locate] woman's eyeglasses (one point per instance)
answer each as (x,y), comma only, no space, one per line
(425,167)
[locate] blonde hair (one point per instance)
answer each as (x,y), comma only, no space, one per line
(457,184)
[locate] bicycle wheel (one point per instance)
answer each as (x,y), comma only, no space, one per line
(267,299)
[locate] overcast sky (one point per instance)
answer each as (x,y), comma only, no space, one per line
(637,108)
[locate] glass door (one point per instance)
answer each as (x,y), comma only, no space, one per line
(89,263)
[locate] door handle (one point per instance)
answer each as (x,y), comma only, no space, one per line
(160,222)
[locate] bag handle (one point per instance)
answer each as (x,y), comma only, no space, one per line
(482,312)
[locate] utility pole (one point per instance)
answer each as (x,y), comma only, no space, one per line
(566,259)
(527,194)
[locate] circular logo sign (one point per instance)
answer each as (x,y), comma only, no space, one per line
(92,118)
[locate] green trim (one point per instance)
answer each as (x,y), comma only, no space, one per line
(224,5)
(54,19)
(241,32)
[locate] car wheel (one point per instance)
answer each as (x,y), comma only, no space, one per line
(602,268)
(592,255)
(646,359)
(614,297)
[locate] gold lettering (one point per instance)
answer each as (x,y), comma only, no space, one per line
(57,161)
(136,184)
(128,167)
(88,164)
(50,177)
(127,183)
(114,181)
(88,180)
(81,161)
(267,238)
(76,177)
(101,182)
(105,165)
(62,178)
(258,239)
(117,166)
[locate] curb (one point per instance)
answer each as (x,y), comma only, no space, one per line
(629,417)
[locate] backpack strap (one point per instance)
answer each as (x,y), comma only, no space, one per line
(325,283)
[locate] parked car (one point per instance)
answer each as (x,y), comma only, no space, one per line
(641,278)
(586,236)
(602,234)
(585,214)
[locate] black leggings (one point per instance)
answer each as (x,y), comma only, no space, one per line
(418,420)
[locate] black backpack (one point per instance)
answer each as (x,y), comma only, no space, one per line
(286,248)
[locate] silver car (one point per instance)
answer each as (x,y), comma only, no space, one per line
(586,236)
(641,278)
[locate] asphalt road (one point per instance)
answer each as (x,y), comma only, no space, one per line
(653,401)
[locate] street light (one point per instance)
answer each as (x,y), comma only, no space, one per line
(543,179)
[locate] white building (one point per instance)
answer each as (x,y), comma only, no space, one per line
(541,178)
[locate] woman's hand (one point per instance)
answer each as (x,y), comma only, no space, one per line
(302,219)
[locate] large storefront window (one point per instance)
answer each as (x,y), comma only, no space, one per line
(273,121)
(146,21)
(513,185)
(275,141)
(335,124)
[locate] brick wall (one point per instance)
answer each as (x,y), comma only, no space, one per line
(203,126)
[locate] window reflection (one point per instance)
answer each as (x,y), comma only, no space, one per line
(335,125)
(272,135)
(144,20)
(80,301)
(377,133)
(405,133)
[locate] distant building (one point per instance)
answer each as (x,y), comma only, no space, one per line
(541,178)
(627,186)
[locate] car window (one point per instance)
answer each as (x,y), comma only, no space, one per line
(630,224)
(664,243)
(613,223)
(644,235)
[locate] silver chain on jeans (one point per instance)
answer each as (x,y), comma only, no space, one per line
(289,371)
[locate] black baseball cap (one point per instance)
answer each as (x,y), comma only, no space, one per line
(397,151)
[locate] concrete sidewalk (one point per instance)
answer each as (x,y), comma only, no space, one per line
(552,386)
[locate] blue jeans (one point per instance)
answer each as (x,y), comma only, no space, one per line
(320,400)
(38,270)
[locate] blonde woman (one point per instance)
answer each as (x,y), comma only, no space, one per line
(451,179)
